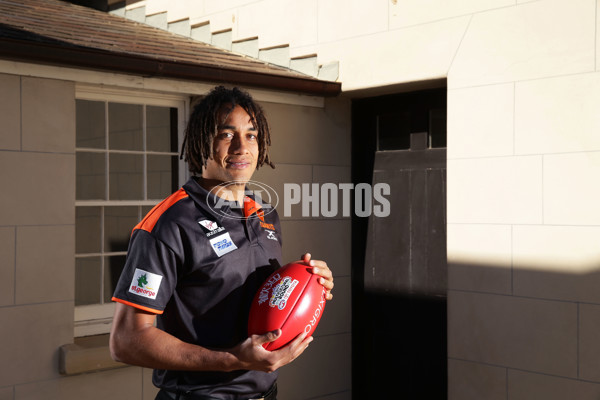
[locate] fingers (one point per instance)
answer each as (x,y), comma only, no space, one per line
(296,347)
(320,268)
(266,338)
(306,257)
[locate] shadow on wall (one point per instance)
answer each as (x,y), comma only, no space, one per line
(522,331)
(511,331)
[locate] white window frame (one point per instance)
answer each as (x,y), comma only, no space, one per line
(97,318)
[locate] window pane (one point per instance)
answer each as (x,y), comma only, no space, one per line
(113,266)
(90,124)
(146,210)
(125,126)
(87,280)
(161,129)
(162,174)
(126,177)
(87,230)
(118,223)
(90,182)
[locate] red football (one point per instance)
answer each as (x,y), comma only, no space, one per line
(291,299)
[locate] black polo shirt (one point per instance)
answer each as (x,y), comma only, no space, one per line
(199,268)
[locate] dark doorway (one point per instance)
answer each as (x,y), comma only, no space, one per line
(399,270)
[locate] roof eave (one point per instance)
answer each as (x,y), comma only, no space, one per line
(149,67)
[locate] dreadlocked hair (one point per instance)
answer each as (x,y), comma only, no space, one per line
(212,111)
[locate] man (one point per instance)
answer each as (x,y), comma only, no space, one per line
(197,266)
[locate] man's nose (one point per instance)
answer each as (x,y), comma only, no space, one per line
(237,145)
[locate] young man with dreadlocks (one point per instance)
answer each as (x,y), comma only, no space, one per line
(194,269)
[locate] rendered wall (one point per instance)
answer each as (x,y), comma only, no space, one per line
(523,162)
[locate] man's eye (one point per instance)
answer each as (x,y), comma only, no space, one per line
(226,135)
(252,136)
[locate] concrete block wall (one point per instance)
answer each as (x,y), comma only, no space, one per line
(36,218)
(522,217)
(37,247)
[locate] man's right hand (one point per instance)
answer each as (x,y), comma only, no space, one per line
(253,355)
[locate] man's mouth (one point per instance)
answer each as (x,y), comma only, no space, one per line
(238,164)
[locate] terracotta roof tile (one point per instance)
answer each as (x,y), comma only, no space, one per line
(58,32)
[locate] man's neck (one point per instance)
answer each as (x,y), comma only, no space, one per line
(231,192)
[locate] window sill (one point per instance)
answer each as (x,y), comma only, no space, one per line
(86,354)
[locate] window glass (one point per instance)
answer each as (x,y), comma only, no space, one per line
(161,177)
(113,266)
(125,126)
(126,176)
(118,223)
(91,128)
(90,179)
(161,129)
(122,170)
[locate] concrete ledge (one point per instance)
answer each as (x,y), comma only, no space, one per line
(87,354)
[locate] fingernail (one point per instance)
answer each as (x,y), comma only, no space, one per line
(312,262)
(315,270)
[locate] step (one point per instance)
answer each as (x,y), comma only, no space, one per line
(247,47)
(222,39)
(306,64)
(329,71)
(137,14)
(201,32)
(278,55)
(180,27)
(158,20)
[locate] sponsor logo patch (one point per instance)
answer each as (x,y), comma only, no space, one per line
(211,226)
(145,283)
(282,292)
(222,244)
(208,224)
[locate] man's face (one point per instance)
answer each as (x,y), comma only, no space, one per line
(235,149)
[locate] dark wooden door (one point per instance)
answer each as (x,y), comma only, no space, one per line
(399,289)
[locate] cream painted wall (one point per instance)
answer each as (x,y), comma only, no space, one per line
(523,162)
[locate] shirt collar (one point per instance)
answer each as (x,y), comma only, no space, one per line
(203,198)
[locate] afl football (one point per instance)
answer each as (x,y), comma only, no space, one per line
(291,299)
